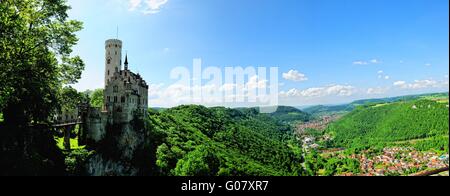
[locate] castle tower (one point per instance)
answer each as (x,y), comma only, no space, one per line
(113,58)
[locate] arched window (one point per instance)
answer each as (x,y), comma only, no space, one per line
(108,72)
(122,99)
(108,61)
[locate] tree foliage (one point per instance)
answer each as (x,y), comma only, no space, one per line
(97,98)
(36,38)
(223,142)
(401,121)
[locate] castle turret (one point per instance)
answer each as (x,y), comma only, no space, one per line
(113,58)
(126,62)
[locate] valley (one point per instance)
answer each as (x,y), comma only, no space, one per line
(396,137)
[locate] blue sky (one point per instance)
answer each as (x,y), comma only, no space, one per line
(327,51)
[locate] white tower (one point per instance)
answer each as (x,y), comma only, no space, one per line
(113,58)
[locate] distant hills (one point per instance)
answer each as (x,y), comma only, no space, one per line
(320,110)
(285,114)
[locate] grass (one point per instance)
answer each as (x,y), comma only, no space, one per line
(380,105)
(73,143)
(415,141)
(442,101)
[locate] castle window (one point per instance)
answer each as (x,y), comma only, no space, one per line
(122,99)
(116,52)
(115,99)
(115,89)
(117,70)
(108,61)
(109,99)
(108,72)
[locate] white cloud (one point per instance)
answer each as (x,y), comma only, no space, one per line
(146,6)
(377,91)
(360,63)
(375,61)
(177,94)
(154,90)
(372,61)
(256,83)
(382,75)
(428,64)
(154,6)
(134,4)
(332,90)
(399,83)
(294,75)
(420,84)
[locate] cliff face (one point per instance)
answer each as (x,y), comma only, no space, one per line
(116,152)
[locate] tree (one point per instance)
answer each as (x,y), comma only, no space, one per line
(97,98)
(36,38)
(200,162)
(70,98)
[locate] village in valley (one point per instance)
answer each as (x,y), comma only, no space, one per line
(395,160)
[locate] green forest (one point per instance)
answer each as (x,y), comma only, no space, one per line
(196,140)
(381,124)
(38,69)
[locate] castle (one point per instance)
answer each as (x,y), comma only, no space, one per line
(125,95)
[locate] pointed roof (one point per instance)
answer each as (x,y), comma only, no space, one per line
(126,62)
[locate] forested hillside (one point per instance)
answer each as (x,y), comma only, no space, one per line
(321,110)
(377,124)
(284,114)
(195,140)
